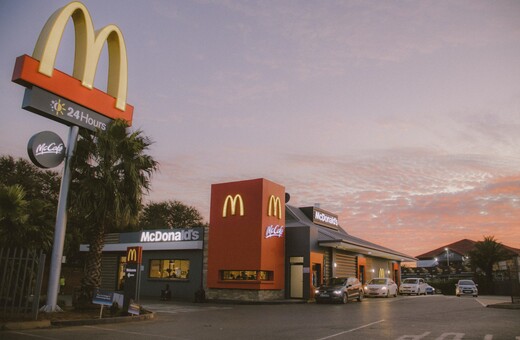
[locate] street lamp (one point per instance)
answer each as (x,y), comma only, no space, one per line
(447,256)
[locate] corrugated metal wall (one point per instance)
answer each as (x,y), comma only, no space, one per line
(346,265)
(109,266)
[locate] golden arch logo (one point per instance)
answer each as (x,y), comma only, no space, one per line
(233,201)
(87,50)
(274,207)
(38,70)
(133,254)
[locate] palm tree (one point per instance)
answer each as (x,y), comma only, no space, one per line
(485,254)
(111,174)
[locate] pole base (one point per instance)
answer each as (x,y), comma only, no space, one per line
(50,309)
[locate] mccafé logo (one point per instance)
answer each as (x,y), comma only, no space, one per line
(233,201)
(43,149)
(274,231)
(274,207)
(39,70)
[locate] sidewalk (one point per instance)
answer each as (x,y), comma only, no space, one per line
(493,301)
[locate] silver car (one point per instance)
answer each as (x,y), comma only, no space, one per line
(381,287)
(413,286)
(466,287)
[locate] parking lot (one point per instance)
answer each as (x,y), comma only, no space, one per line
(404,318)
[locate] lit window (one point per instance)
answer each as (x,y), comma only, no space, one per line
(246,275)
(169,269)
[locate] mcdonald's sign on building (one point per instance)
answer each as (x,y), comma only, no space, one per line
(246,248)
(73,100)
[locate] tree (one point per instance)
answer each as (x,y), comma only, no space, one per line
(111,172)
(170,214)
(21,222)
(28,204)
(485,254)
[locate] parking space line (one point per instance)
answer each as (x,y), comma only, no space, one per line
(145,335)
(350,330)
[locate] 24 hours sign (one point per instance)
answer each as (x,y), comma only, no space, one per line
(61,110)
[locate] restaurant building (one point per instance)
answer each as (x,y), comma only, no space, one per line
(257,248)
(261,248)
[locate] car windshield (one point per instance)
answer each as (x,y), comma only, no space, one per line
(410,281)
(336,281)
(377,282)
(466,283)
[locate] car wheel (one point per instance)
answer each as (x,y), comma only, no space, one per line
(360,296)
(458,295)
(345,298)
(475,295)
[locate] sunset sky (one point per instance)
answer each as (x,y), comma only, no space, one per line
(402,117)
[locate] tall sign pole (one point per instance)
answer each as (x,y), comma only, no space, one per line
(73,100)
(60,227)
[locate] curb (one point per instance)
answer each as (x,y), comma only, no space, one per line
(119,319)
(20,325)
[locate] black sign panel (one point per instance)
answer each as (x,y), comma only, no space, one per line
(62,110)
(46,149)
(132,275)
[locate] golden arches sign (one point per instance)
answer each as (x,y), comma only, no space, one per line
(233,200)
(87,50)
(274,207)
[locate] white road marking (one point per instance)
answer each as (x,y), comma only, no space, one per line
(350,330)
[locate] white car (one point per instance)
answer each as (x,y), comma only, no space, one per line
(381,287)
(466,287)
(413,286)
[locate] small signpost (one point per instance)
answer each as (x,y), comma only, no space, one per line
(103,298)
(132,277)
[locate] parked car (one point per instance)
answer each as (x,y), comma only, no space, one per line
(413,286)
(381,287)
(430,290)
(466,287)
(340,289)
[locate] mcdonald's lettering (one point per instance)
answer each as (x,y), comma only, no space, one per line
(274,207)
(134,254)
(39,69)
(233,203)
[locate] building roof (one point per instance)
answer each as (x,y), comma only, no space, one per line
(339,238)
(462,247)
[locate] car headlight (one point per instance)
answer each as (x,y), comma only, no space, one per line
(337,292)
(317,291)
(383,288)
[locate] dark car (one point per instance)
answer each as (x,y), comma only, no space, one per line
(340,289)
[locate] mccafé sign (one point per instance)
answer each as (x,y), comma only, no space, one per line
(46,149)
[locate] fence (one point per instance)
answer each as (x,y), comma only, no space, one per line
(21,276)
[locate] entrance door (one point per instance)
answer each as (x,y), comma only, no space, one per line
(297,281)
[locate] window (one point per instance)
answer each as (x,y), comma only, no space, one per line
(121,273)
(256,275)
(169,269)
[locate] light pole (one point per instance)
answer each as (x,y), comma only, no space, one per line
(448,259)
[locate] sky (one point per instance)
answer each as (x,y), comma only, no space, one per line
(402,117)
